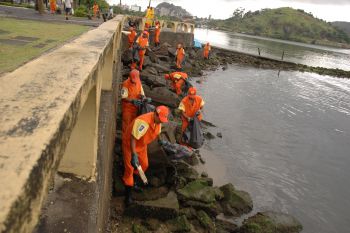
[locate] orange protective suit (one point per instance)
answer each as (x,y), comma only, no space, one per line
(131,37)
(143,44)
(206,51)
(144,130)
(190,108)
(95,9)
(157,34)
(52,6)
(180,55)
(178,80)
(130,90)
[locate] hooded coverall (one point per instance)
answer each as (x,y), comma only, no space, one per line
(143,44)
(131,37)
(130,91)
(190,109)
(206,51)
(157,34)
(180,55)
(144,130)
(178,79)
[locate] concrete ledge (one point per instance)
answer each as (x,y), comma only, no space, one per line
(39,107)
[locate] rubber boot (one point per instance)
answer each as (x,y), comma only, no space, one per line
(137,187)
(128,199)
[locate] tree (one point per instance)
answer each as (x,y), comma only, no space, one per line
(238,13)
(40,6)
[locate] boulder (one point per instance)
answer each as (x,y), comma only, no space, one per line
(163,96)
(163,209)
(157,158)
(190,213)
(151,224)
(224,226)
(185,171)
(179,224)
(162,49)
(205,221)
(149,194)
(235,202)
(271,222)
(204,174)
(169,131)
(192,160)
(137,228)
(147,62)
(153,57)
(219,134)
(149,71)
(208,136)
(126,56)
(171,51)
(212,209)
(153,80)
(199,190)
(161,67)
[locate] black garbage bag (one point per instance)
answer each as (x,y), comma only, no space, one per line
(193,135)
(187,86)
(146,107)
(135,55)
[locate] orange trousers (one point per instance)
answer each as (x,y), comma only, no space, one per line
(178,86)
(142,58)
(206,54)
(128,116)
(129,170)
(179,60)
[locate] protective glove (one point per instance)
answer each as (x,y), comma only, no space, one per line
(198,112)
(136,102)
(135,160)
(148,100)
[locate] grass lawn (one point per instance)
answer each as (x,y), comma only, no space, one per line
(23,40)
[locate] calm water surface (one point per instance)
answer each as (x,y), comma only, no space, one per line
(286,140)
(312,55)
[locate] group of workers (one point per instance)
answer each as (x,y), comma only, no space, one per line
(140,130)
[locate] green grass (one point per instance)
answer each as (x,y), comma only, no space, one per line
(13,56)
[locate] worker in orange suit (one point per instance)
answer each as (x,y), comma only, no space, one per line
(180,56)
(141,132)
(206,51)
(191,106)
(95,9)
(52,6)
(142,42)
(131,37)
(178,79)
(157,34)
(132,95)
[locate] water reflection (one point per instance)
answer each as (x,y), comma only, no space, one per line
(312,55)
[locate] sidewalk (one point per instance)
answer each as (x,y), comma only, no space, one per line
(30,14)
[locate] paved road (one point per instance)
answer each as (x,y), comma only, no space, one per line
(24,13)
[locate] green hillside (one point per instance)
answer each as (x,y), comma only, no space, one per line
(284,23)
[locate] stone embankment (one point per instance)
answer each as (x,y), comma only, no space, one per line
(178,198)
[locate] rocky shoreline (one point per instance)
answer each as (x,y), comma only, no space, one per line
(179,198)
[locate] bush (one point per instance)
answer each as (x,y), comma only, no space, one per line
(81,11)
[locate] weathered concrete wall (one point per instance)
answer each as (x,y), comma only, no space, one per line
(50,109)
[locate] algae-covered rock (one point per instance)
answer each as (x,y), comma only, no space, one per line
(192,160)
(185,171)
(151,224)
(162,95)
(224,226)
(235,202)
(137,228)
(199,190)
(149,194)
(273,222)
(212,209)
(179,224)
(205,221)
(163,208)
(189,212)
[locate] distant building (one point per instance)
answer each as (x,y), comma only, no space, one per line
(209,17)
(124,7)
(135,8)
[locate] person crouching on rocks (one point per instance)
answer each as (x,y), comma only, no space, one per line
(178,80)
(191,106)
(180,56)
(132,95)
(142,131)
(142,42)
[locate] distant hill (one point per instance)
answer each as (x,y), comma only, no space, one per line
(345,26)
(284,23)
(170,10)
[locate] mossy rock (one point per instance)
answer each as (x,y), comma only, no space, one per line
(224,226)
(212,209)
(271,222)
(137,228)
(235,202)
(199,190)
(205,221)
(189,212)
(179,224)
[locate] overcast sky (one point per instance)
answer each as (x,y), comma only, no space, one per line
(330,10)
